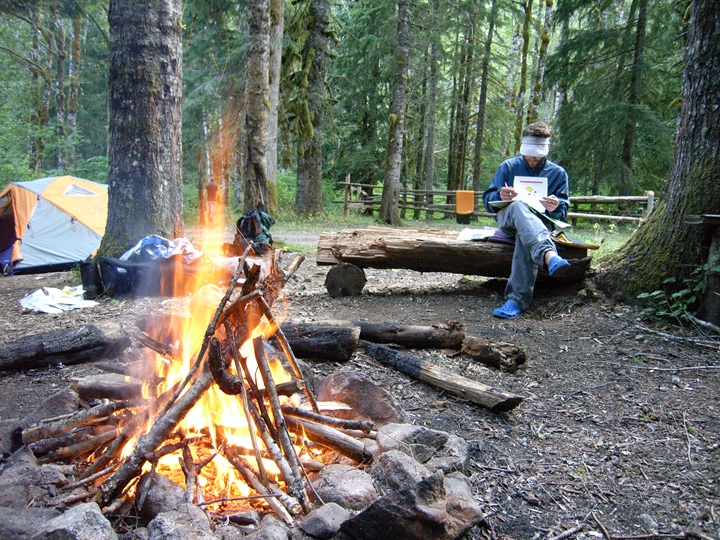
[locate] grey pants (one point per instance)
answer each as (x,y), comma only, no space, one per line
(532,241)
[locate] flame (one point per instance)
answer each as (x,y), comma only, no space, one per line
(217,418)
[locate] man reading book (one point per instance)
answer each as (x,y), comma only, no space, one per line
(529,226)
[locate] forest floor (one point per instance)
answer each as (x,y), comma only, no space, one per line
(619,429)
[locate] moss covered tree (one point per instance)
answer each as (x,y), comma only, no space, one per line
(665,246)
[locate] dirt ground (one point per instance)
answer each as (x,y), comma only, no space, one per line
(618,431)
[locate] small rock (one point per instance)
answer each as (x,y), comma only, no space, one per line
(346,486)
(325,522)
(164,496)
(417,441)
(187,522)
(649,523)
(367,400)
(82,522)
(24,523)
(64,402)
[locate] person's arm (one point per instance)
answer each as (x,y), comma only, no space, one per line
(559,186)
(493,192)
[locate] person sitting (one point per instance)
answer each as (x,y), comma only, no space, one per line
(534,247)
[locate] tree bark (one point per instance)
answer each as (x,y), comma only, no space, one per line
(393,158)
(664,246)
(308,197)
(539,75)
(73,99)
(492,398)
(75,346)
(277,22)
(432,98)
(256,119)
(520,104)
(482,101)
(456,164)
(145,139)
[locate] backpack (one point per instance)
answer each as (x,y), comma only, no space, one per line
(254,226)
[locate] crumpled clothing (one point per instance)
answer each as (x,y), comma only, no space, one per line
(51,300)
(156,247)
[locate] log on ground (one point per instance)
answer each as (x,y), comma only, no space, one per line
(494,399)
(86,343)
(449,335)
(332,343)
(430,250)
(504,356)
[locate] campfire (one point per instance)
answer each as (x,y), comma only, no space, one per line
(214,411)
(226,415)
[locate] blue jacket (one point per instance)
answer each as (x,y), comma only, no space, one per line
(558,184)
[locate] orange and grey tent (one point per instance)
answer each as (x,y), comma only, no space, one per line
(50,223)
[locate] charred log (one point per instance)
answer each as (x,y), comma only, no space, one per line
(494,399)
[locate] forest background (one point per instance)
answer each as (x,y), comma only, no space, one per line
(605,74)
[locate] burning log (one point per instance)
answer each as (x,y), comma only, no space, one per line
(86,343)
(270,494)
(63,425)
(160,430)
(331,438)
(108,386)
(487,396)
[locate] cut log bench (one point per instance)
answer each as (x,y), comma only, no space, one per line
(424,250)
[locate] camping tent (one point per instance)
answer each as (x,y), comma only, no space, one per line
(50,223)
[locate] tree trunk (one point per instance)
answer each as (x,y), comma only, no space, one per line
(665,246)
(477,184)
(456,180)
(538,77)
(73,99)
(277,21)
(308,197)
(60,96)
(39,116)
(633,100)
(393,159)
(257,113)
(145,139)
(420,145)
(520,104)
(432,98)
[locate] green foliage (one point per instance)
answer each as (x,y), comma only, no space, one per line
(677,297)
(593,65)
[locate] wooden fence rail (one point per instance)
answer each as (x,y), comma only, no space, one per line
(367,197)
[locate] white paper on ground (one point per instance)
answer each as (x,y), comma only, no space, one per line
(51,300)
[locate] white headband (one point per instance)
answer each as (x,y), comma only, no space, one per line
(535,146)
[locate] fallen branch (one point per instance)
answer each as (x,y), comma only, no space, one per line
(487,396)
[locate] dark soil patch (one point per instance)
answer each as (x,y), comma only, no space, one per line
(619,425)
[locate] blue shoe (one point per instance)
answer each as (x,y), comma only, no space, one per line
(509,310)
(557,266)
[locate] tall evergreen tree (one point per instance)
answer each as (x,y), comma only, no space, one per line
(396,118)
(145,143)
(665,246)
(308,197)
(256,113)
